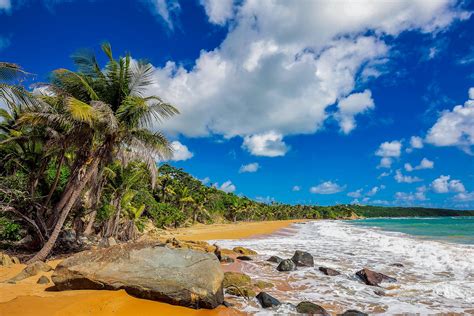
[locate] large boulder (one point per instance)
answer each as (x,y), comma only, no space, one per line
(286,265)
(146,270)
(303,259)
(373,278)
(311,309)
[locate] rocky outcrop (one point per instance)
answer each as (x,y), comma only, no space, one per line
(244,251)
(286,265)
(311,309)
(303,259)
(373,278)
(266,300)
(329,271)
(31,270)
(275,259)
(146,270)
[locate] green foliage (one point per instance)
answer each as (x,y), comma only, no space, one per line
(9,230)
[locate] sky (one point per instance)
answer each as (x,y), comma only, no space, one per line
(309,102)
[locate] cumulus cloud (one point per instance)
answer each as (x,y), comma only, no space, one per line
(365,195)
(166,10)
(218,11)
(273,77)
(355,194)
(327,187)
(464,197)
(251,167)
(416,142)
(424,164)
(350,106)
(269,144)
(296,188)
(456,127)
(227,186)
(400,178)
(180,151)
(444,184)
(419,195)
(388,151)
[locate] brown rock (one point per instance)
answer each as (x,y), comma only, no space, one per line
(43,280)
(373,278)
(31,270)
(329,271)
(244,251)
(236,279)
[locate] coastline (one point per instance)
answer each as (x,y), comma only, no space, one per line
(29,298)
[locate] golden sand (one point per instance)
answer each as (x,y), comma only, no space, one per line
(29,298)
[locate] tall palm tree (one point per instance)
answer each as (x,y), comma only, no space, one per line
(112,102)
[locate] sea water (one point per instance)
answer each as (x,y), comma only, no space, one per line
(437,275)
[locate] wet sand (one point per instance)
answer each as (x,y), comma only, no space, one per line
(29,298)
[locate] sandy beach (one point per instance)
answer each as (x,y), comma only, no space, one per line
(29,298)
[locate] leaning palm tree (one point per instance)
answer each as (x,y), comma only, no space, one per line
(111,101)
(11,92)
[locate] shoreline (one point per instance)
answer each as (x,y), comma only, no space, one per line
(29,298)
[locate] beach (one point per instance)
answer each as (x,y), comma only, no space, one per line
(29,298)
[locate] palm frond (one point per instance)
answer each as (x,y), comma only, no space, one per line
(81,111)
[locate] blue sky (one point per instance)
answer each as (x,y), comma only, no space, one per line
(299,102)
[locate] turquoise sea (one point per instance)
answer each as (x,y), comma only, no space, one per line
(451,229)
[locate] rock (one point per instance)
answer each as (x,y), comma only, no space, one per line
(311,309)
(146,270)
(398,265)
(10,282)
(5,260)
(263,284)
(303,259)
(373,278)
(275,259)
(227,304)
(106,242)
(353,312)
(227,259)
(15,260)
(379,292)
(244,251)
(236,279)
(286,265)
(43,280)
(31,270)
(266,300)
(240,291)
(329,271)
(218,252)
(244,258)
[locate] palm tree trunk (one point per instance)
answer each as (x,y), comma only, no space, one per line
(56,178)
(68,200)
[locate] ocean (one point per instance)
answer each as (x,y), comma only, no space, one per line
(437,255)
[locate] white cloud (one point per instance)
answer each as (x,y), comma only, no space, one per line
(416,142)
(167,10)
(180,151)
(443,184)
(360,193)
(355,194)
(269,144)
(389,149)
(327,187)
(265,199)
(267,75)
(464,197)
(424,164)
(218,11)
(5,5)
(206,180)
(400,178)
(350,106)
(385,162)
(227,187)
(251,167)
(419,195)
(385,174)
(296,188)
(471,93)
(455,128)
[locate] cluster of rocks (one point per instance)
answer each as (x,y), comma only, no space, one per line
(6,260)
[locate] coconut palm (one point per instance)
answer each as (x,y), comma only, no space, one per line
(111,102)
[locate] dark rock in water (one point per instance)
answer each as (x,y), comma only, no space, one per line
(311,309)
(379,292)
(227,304)
(266,300)
(303,259)
(398,265)
(275,259)
(329,271)
(146,270)
(244,258)
(31,270)
(286,265)
(43,280)
(353,312)
(244,251)
(218,252)
(226,259)
(373,278)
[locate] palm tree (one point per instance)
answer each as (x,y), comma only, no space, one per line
(112,102)
(12,93)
